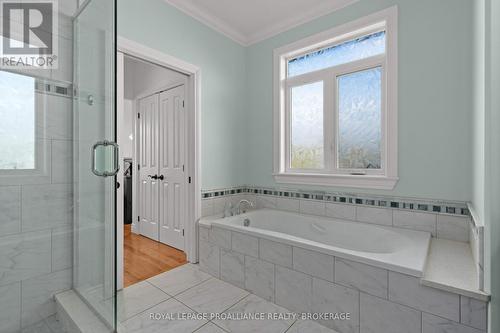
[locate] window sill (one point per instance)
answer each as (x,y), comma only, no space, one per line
(356,181)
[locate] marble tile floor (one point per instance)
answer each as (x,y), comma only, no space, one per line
(48,325)
(189,291)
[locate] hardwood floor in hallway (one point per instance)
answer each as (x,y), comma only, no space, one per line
(144,257)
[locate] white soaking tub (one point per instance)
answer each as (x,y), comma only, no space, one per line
(395,249)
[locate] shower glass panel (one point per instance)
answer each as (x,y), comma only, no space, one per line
(94,276)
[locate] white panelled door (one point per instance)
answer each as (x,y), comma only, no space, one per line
(172,155)
(148,162)
(162,151)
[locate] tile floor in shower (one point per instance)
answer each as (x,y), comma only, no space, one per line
(186,289)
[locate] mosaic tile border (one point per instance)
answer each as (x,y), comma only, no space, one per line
(58,89)
(423,205)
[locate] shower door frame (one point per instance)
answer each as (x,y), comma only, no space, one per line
(193,97)
(110,223)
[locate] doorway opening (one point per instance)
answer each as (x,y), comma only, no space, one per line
(157,197)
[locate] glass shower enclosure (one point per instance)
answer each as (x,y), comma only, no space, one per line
(57,162)
(95,161)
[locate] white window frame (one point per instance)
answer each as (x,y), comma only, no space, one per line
(40,174)
(384,178)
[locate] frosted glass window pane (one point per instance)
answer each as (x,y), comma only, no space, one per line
(360,119)
(17,121)
(307,126)
(352,50)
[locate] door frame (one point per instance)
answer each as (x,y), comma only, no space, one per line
(193,99)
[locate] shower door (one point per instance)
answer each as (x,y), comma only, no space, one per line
(96,160)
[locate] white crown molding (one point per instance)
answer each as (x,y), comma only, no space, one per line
(211,21)
(290,23)
(220,26)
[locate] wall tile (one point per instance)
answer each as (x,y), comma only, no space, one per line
(415,221)
(374,215)
(453,227)
(370,279)
(341,211)
(235,200)
(66,11)
(331,298)
(312,207)
(207,207)
(58,122)
(203,233)
(218,205)
(473,313)
(291,205)
(293,290)
(64,72)
(277,253)
(265,201)
(23,256)
(381,316)
(313,263)
(38,295)
(10,308)
(10,206)
(62,248)
(407,290)
(62,161)
(209,258)
(245,244)
(220,237)
(232,268)
(435,324)
(475,244)
(46,206)
(259,278)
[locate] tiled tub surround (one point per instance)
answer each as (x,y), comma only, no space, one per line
(405,203)
(444,220)
(303,280)
(441,225)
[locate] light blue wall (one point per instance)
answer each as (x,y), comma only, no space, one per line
(156,24)
(435,96)
(435,91)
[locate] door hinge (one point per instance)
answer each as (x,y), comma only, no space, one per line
(183,167)
(139,116)
(182,103)
(182,232)
(138,218)
(189,180)
(138,167)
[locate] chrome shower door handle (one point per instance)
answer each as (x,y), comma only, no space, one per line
(105,169)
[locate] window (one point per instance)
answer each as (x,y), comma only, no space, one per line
(24,148)
(17,122)
(335,117)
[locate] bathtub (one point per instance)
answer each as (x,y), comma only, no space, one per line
(395,249)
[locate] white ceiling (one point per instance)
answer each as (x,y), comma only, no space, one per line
(143,77)
(250,21)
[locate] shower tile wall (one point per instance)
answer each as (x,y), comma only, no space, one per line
(36,220)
